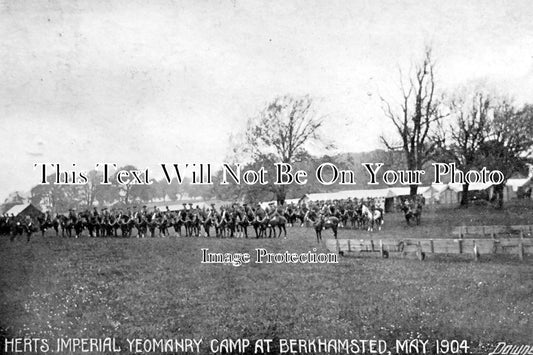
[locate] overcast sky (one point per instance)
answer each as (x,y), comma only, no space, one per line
(145,82)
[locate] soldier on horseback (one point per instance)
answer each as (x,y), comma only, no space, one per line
(260,221)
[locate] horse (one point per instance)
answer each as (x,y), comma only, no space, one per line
(352,218)
(22,226)
(162,224)
(259,226)
(373,216)
(333,223)
(241,222)
(141,226)
(300,215)
(318,225)
(126,224)
(277,221)
(79,225)
(110,226)
(66,226)
(344,217)
(231,223)
(359,217)
(290,216)
(221,226)
(411,213)
(208,221)
(152,224)
(246,220)
(93,224)
(46,222)
(178,221)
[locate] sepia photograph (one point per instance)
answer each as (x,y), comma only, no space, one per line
(266,177)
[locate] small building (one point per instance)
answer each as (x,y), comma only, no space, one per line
(23,210)
(518,188)
(483,191)
(441,194)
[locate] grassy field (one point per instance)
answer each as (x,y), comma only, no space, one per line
(157,288)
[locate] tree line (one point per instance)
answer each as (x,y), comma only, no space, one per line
(61,198)
(470,126)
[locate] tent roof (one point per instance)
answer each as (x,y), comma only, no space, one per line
(516,183)
(401,191)
(359,194)
(457,187)
(438,187)
(15,210)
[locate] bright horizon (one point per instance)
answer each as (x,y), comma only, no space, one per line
(140,83)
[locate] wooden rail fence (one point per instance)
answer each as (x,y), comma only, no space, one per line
(520,246)
(493,231)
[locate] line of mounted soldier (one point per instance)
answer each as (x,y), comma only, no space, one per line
(17,225)
(228,221)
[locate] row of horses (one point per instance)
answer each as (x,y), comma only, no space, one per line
(192,224)
(356,217)
(231,223)
(17,226)
(369,218)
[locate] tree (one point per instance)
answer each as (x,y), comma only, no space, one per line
(418,111)
(470,126)
(130,191)
(281,134)
(509,146)
(89,190)
(106,194)
(56,198)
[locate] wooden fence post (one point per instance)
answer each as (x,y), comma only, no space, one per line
(419,252)
(521,246)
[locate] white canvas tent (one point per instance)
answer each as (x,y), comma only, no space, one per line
(518,187)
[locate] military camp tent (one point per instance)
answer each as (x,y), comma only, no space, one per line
(26,209)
